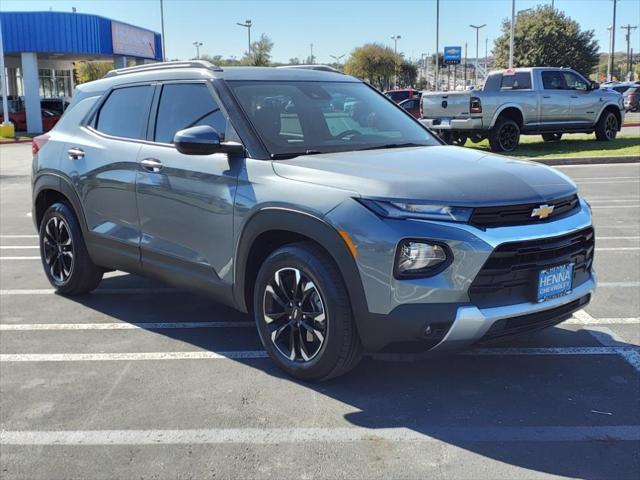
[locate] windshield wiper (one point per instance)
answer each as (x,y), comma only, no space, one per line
(282,156)
(394,145)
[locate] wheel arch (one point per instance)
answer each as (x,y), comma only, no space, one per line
(271,228)
(49,188)
(511,111)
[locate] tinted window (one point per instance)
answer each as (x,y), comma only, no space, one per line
(552,81)
(409,104)
(398,96)
(492,83)
(124,114)
(622,89)
(184,105)
(574,82)
(294,117)
(517,81)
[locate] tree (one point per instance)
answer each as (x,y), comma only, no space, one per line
(407,73)
(373,62)
(546,37)
(294,61)
(260,52)
(89,71)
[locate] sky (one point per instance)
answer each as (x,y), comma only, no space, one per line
(335,27)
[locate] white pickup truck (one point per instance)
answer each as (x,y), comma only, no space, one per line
(527,101)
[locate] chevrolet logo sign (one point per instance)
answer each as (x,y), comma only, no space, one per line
(543,211)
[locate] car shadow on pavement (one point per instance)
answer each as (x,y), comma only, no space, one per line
(536,412)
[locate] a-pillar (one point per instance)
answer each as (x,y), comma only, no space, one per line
(31,83)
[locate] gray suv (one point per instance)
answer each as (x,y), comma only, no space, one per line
(311,200)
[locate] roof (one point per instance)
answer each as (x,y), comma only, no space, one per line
(290,74)
(76,33)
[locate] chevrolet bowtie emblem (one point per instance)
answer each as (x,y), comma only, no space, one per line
(543,211)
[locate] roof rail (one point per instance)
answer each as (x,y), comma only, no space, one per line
(323,68)
(164,66)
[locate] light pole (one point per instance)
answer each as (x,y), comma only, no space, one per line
(247,24)
(610,28)
(628,28)
(197,45)
(612,46)
(311,57)
(477,27)
(336,59)
(513,22)
(395,39)
(164,51)
(435,80)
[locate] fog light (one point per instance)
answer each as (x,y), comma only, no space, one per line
(416,258)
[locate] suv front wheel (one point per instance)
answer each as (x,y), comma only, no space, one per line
(303,314)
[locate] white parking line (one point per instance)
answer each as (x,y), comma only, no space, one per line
(100,291)
(19,258)
(596,207)
(313,435)
(19,236)
(578,179)
(18,247)
(618,284)
(123,326)
(615,249)
(579,319)
(630,237)
(248,354)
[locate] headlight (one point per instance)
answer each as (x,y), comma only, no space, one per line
(416,258)
(428,211)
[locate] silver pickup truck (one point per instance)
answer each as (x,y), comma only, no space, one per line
(527,101)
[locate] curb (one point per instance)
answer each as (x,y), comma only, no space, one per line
(17,140)
(587,160)
(632,124)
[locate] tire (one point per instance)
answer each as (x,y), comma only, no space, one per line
(63,252)
(504,136)
(325,340)
(607,127)
(551,137)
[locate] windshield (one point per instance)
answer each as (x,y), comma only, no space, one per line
(296,118)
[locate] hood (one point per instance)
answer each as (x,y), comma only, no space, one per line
(452,175)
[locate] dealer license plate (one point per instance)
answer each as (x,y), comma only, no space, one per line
(555,282)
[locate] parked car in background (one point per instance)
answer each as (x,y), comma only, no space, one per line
(55,105)
(525,101)
(342,232)
(19,120)
(412,106)
(402,94)
(631,99)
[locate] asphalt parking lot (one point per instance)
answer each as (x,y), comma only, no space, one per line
(138,380)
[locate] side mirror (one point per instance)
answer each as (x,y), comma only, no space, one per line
(595,86)
(203,140)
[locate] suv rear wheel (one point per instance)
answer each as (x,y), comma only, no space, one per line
(303,314)
(504,136)
(607,127)
(64,254)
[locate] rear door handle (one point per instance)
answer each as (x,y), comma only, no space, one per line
(546,96)
(151,165)
(75,153)
(574,96)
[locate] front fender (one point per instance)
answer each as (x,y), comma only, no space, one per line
(301,223)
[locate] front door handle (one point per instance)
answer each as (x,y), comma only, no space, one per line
(75,153)
(574,96)
(546,96)
(151,165)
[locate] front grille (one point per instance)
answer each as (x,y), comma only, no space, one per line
(510,274)
(521,214)
(534,321)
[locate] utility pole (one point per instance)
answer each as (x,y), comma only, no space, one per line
(197,45)
(513,24)
(164,51)
(311,58)
(465,65)
(610,29)
(336,59)
(395,39)
(247,24)
(437,44)
(628,28)
(613,42)
(477,27)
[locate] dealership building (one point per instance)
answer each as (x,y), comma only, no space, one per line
(40,49)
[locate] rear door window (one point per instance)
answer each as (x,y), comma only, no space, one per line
(517,81)
(552,80)
(185,105)
(125,112)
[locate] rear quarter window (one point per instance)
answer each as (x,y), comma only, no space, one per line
(125,112)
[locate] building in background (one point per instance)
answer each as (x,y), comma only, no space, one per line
(40,49)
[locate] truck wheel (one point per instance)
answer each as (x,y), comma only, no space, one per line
(607,127)
(64,254)
(504,136)
(551,137)
(303,314)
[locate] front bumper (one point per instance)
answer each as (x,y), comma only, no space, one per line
(471,324)
(471,123)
